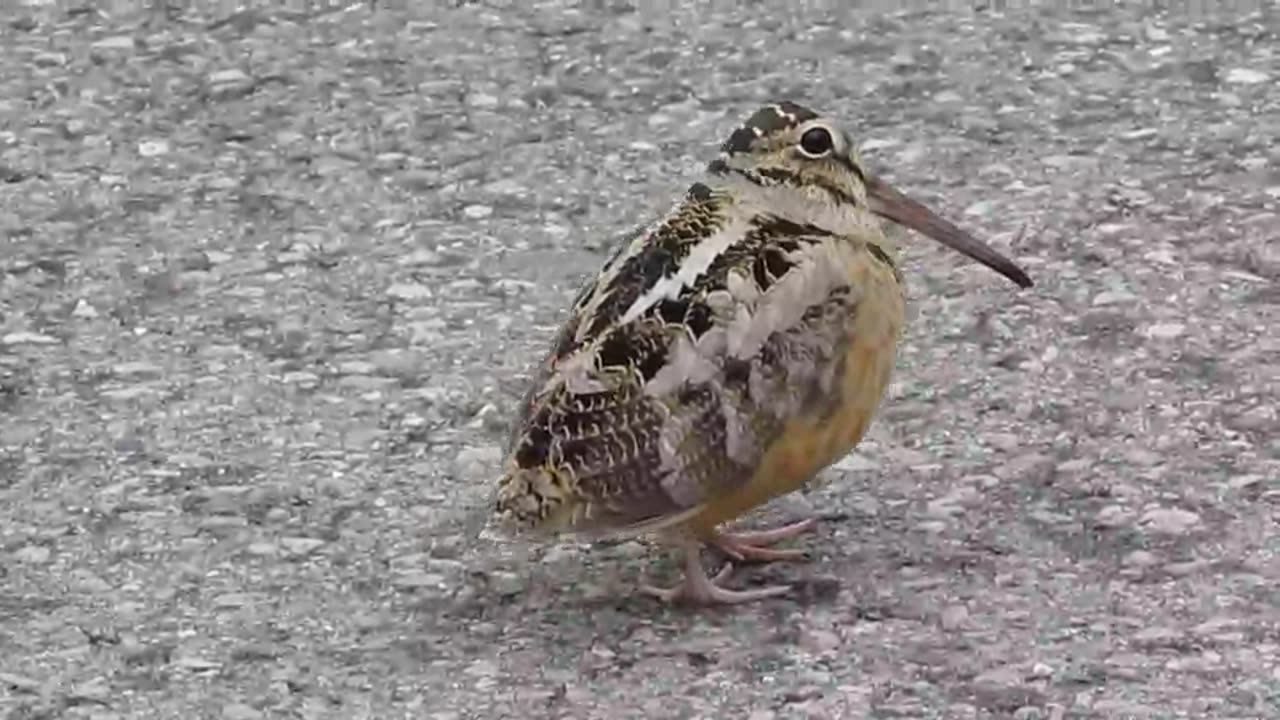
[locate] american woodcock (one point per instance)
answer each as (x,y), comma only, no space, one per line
(725,354)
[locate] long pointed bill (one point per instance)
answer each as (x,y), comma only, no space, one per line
(893,205)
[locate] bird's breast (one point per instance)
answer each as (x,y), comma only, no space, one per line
(829,425)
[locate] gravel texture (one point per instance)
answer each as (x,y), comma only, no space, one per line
(271,283)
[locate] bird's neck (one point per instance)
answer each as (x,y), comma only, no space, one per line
(805,205)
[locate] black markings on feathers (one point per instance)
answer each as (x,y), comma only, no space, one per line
(767,121)
(881,255)
(796,365)
(762,252)
(657,260)
(606,447)
(761,273)
(566,426)
(784,176)
(769,266)
(781,230)
(703,449)
(588,456)
(700,192)
(740,141)
(643,347)
(687,312)
(534,448)
(566,342)
(736,371)
(770,176)
(661,256)
(673,312)
(819,319)
(698,319)
(608,443)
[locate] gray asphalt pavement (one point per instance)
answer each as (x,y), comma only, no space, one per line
(271,282)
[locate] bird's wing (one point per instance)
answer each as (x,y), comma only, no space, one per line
(680,363)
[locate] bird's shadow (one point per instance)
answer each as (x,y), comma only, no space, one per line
(597,585)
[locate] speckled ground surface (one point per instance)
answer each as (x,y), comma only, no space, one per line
(270,283)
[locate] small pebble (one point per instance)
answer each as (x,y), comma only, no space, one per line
(1191,567)
(133,392)
(1040,671)
(981,208)
(262,549)
(49,59)
(954,617)
(240,711)
(475,463)
(301,378)
(421,256)
(409,291)
(115,42)
(819,641)
(84,311)
(1170,521)
(1158,636)
(1114,516)
(933,527)
(32,554)
(228,601)
(855,462)
(1245,76)
(506,584)
(20,683)
(415,579)
(87,582)
(94,691)
(1244,482)
(1113,297)
(23,337)
(1166,331)
(1123,709)
(227,77)
(559,553)
(301,545)
(357,367)
(483,101)
(136,370)
(153,148)
(505,186)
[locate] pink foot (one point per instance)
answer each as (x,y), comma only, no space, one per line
(750,546)
(698,589)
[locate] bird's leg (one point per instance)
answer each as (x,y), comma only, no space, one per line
(698,589)
(751,546)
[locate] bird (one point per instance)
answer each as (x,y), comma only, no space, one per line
(725,353)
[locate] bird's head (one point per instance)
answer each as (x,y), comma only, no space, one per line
(812,162)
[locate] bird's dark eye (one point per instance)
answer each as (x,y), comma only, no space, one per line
(816,142)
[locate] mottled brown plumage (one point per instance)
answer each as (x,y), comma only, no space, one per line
(724,355)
